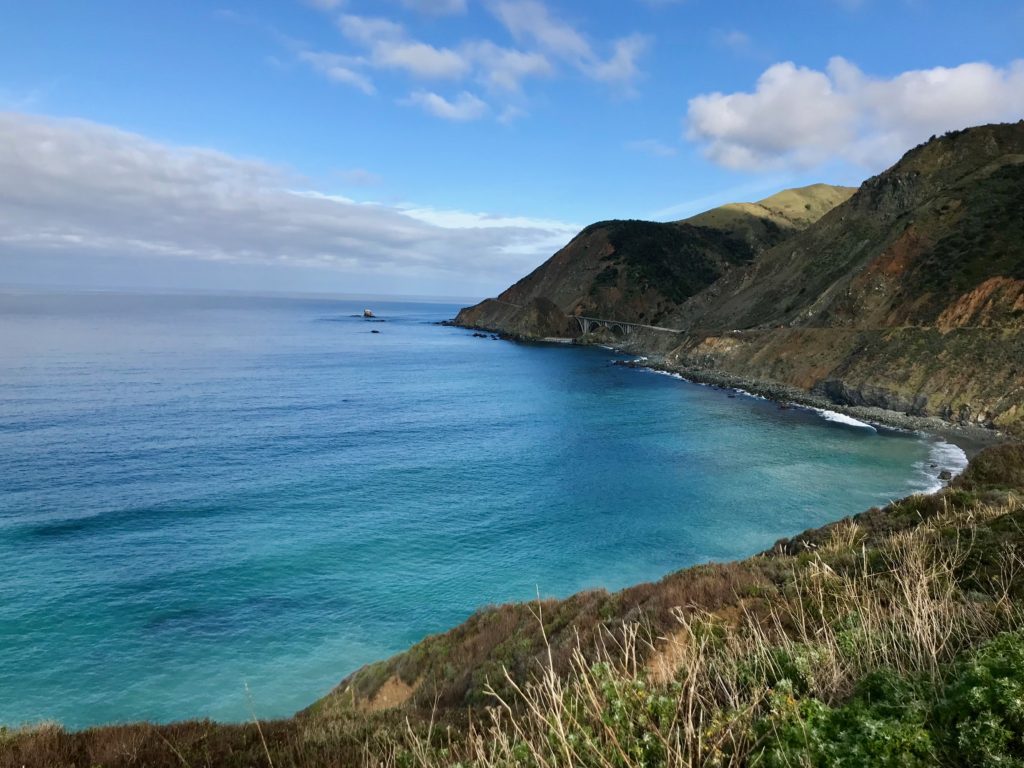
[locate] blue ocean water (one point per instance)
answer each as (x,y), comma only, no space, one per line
(202,493)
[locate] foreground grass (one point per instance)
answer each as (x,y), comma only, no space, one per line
(894,638)
(886,658)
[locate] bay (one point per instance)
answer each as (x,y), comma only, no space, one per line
(204,494)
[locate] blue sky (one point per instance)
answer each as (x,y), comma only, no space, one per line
(446,146)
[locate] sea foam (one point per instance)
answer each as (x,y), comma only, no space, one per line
(842,418)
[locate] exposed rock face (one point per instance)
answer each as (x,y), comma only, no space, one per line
(907,295)
(997,302)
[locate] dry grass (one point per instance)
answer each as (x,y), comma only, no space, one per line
(683,672)
(902,608)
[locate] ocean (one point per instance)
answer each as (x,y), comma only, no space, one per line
(219,506)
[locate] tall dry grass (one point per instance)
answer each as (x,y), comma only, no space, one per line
(793,629)
(904,607)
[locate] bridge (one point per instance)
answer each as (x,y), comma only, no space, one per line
(590,324)
(617,327)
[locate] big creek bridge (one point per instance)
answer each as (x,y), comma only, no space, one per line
(590,324)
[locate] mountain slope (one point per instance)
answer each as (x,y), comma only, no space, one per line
(908,296)
(784,212)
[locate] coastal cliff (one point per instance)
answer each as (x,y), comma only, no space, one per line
(906,295)
(893,637)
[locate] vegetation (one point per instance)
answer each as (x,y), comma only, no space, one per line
(891,638)
(989,235)
(907,295)
(877,657)
(768,222)
(678,260)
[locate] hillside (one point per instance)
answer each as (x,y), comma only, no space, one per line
(890,638)
(907,295)
(785,212)
(641,271)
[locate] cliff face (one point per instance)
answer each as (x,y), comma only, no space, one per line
(907,295)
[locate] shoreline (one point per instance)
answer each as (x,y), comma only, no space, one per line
(961,437)
(970,439)
(966,440)
(946,455)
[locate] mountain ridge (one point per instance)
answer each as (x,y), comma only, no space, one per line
(907,294)
(631,269)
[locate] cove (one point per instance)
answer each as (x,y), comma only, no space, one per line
(202,493)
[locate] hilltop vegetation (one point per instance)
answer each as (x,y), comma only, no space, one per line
(770,221)
(640,271)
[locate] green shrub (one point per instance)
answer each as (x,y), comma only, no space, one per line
(976,719)
(884,724)
(982,709)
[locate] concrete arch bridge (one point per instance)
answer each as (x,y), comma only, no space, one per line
(616,327)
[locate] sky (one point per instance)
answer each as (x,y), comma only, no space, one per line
(446,147)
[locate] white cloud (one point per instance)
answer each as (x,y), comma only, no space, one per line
(436,7)
(622,68)
(384,44)
(83,191)
(801,117)
(420,59)
(735,39)
(532,21)
(339,69)
(370,30)
(463,108)
(506,68)
(360,177)
(390,48)
(652,147)
(469,220)
(510,114)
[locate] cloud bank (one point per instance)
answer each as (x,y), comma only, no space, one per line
(798,117)
(546,45)
(80,190)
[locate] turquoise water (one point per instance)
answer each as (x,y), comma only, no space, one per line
(199,493)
